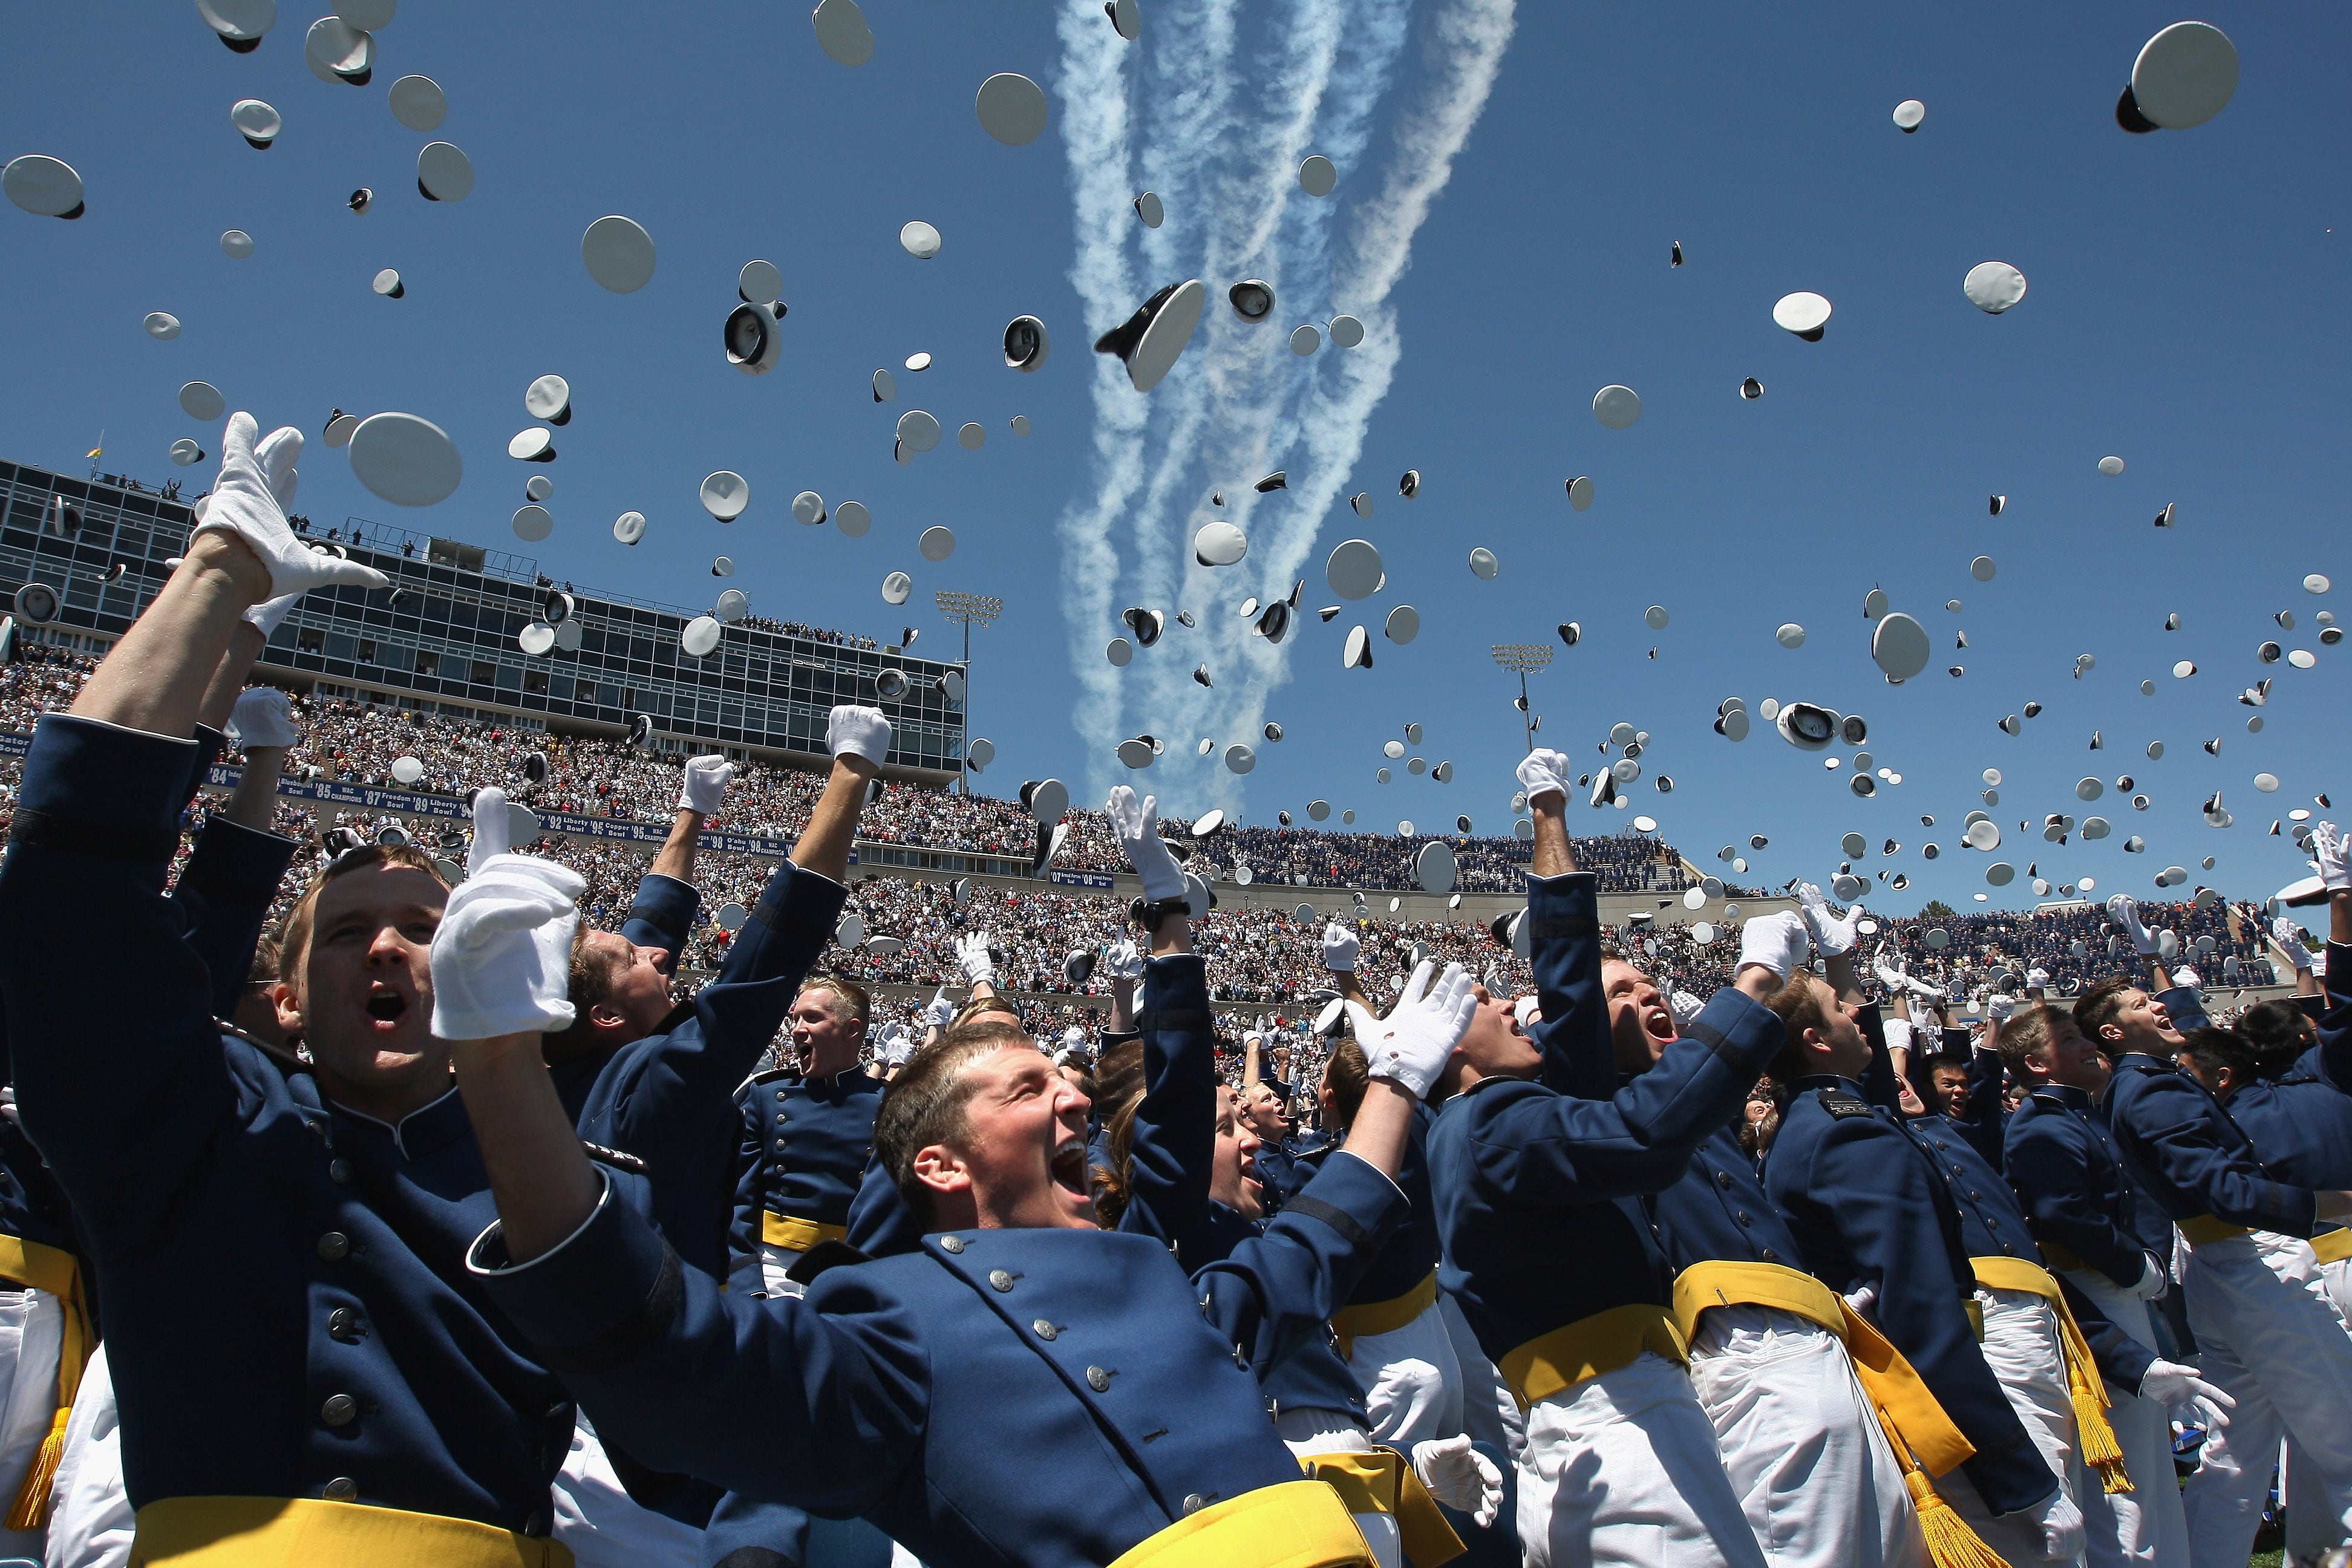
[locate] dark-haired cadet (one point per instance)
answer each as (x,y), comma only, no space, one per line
(1870,1209)
(1556,1268)
(2063,1165)
(1020,1386)
(2266,1334)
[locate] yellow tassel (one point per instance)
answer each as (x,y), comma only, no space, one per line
(32,1505)
(2101,1452)
(1950,1542)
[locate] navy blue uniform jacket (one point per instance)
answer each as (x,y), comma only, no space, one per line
(1537,1189)
(1047,1398)
(347,1340)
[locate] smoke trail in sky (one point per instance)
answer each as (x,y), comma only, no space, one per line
(1213,109)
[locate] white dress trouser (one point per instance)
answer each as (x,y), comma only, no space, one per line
(2270,1337)
(2020,1346)
(1800,1444)
(1623,1468)
(32,1336)
(601,1524)
(1307,1433)
(1411,1381)
(2314,1527)
(2144,1527)
(1489,1414)
(91,1522)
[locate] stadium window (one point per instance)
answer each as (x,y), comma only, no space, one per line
(483,673)
(428,662)
(310,639)
(367,650)
(535,683)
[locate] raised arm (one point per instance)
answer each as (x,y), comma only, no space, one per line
(1558,1149)
(1564,941)
(670,1098)
(122,1109)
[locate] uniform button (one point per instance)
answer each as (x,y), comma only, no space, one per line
(1194,1502)
(999,1282)
(1046,1331)
(1723,1178)
(1744,1219)
(1771,1255)
(1097,1379)
(342,1488)
(344,1324)
(952,1244)
(780,1145)
(339,1410)
(334,1247)
(1973,1192)
(339,1171)
(781,1118)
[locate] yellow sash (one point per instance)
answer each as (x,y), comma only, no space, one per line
(2062,1260)
(304,1532)
(39,1267)
(2204,1230)
(1382,1482)
(2100,1450)
(1894,1387)
(2333,1246)
(1589,1347)
(1298,1525)
(795,1234)
(1351,1323)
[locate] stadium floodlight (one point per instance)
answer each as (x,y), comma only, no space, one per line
(969,610)
(1523,656)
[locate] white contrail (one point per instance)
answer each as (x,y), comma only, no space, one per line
(1222,124)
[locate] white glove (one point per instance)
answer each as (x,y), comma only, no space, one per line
(1899,1033)
(246,501)
(859,731)
(706,782)
(2187,976)
(2169,1384)
(1831,935)
(1778,940)
(1340,946)
(1888,967)
(2001,1006)
(2124,910)
(1414,1043)
(1543,773)
(2151,1279)
(897,1046)
(2333,850)
(1124,960)
(263,717)
(269,612)
(2037,978)
(1460,1477)
(939,1012)
(503,957)
(971,952)
(1862,1298)
(2060,1523)
(2289,937)
(1137,823)
(1686,1008)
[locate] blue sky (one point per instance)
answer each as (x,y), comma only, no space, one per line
(2186,311)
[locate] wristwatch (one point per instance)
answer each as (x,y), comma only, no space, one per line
(1150,916)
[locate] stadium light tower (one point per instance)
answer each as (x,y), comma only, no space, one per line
(971,610)
(1523,656)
